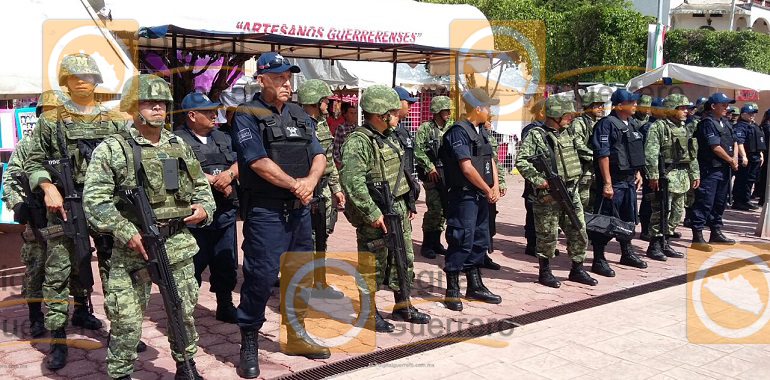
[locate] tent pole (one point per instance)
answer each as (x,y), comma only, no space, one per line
(395,63)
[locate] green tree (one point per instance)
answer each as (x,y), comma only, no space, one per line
(747,49)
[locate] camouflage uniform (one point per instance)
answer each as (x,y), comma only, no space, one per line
(641,117)
(667,136)
(75,127)
(581,128)
(500,173)
(125,301)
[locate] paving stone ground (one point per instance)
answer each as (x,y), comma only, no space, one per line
(219,344)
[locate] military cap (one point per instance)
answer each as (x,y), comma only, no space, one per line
(380,99)
(591,98)
(312,91)
(644,101)
(78,65)
(557,106)
(439,104)
(676,100)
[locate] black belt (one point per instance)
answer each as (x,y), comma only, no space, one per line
(678,167)
(464,188)
(279,204)
(170,227)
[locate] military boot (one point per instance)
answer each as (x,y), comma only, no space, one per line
(645,234)
(698,242)
(437,247)
(82,316)
(487,263)
(226,311)
(452,299)
(546,277)
(628,257)
(578,274)
(36,320)
(248,367)
(600,265)
(404,311)
(380,324)
(427,250)
(718,237)
(57,355)
(182,371)
(655,249)
(476,289)
(299,343)
(670,251)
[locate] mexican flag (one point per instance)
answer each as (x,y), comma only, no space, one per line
(656,34)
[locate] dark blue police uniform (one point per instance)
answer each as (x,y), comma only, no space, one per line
(752,138)
(711,195)
(275,221)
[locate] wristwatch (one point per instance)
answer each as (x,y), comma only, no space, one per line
(232,175)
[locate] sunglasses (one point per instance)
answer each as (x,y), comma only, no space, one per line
(278,61)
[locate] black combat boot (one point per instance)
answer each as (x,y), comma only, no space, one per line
(742,206)
(718,237)
(669,251)
(452,299)
(82,316)
(182,371)
(226,311)
(36,320)
(141,346)
(487,263)
(248,367)
(674,235)
(645,234)
(578,274)
(546,277)
(437,247)
(428,245)
(404,311)
(380,324)
(655,249)
(299,343)
(628,257)
(600,265)
(476,289)
(698,242)
(57,355)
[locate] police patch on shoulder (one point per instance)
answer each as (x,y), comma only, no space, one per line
(244,134)
(457,143)
(710,135)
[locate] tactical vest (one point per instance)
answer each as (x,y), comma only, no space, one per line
(481,157)
(387,158)
(81,138)
(287,143)
(627,152)
(589,126)
(755,139)
(325,138)
(214,157)
(407,144)
(678,145)
(433,146)
(563,153)
(706,156)
(158,167)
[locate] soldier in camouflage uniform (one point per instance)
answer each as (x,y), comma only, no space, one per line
(643,110)
(372,154)
(669,137)
(312,95)
(581,128)
(427,143)
(146,98)
(557,144)
(82,123)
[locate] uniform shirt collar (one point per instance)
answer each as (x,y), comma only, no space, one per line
(165,136)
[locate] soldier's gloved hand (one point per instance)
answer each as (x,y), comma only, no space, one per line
(340,200)
(136,245)
(380,223)
(695,184)
(198,215)
(433,176)
(653,184)
(607,192)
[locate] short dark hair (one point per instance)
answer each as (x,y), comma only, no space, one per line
(346,106)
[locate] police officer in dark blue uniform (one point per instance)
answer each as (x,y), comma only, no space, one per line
(404,137)
(716,157)
(538,112)
(471,180)
(751,147)
(216,242)
(618,147)
(280,162)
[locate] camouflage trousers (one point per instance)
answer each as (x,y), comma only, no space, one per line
(676,209)
(33,256)
(125,304)
(367,236)
(320,273)
(433,220)
(548,218)
(587,194)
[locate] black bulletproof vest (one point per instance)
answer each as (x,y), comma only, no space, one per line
(755,139)
(706,156)
(481,157)
(287,143)
(627,152)
(407,144)
(214,157)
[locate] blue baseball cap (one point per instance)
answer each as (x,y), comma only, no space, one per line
(657,102)
(198,101)
(621,95)
(700,101)
(749,108)
(719,97)
(272,62)
(403,94)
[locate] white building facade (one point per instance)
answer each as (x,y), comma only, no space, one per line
(710,14)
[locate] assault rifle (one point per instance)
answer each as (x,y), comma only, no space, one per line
(557,188)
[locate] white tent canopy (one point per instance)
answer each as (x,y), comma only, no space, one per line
(714,77)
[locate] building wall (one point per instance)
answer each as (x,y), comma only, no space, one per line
(650,8)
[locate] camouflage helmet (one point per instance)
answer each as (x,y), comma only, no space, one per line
(676,100)
(591,98)
(312,91)
(79,64)
(734,110)
(557,106)
(439,104)
(380,99)
(644,101)
(144,87)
